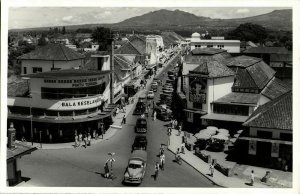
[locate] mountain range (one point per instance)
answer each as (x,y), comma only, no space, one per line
(166,19)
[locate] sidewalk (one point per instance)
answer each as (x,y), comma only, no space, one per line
(117,120)
(218,178)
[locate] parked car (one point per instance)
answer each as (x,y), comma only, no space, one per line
(154,86)
(140,106)
(140,143)
(150,94)
(136,168)
(141,125)
(163,114)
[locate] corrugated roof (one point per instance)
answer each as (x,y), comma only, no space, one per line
(139,42)
(239,98)
(213,69)
(67,73)
(52,52)
(128,48)
(267,50)
(281,58)
(122,62)
(207,51)
(276,114)
(275,88)
(242,61)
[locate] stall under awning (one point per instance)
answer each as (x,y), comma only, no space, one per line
(266,140)
(225,117)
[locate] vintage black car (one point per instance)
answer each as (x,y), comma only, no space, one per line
(140,106)
(163,114)
(140,143)
(141,125)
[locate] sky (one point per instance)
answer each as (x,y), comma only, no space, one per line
(28,17)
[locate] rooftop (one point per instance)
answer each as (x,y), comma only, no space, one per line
(67,73)
(275,88)
(281,57)
(239,98)
(275,114)
(19,151)
(242,61)
(267,50)
(207,51)
(52,52)
(128,48)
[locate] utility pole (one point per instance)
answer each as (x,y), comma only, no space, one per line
(112,68)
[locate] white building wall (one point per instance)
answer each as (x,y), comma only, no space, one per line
(47,65)
(230,47)
(217,88)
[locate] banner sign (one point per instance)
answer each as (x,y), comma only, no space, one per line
(252,147)
(275,150)
(197,90)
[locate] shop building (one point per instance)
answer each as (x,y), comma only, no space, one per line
(231,46)
(63,102)
(205,78)
(50,57)
(269,139)
(254,85)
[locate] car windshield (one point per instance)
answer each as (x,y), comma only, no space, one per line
(135,165)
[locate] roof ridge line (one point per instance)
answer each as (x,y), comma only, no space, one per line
(60,46)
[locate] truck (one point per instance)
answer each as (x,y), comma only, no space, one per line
(136,168)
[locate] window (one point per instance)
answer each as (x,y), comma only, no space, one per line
(197,105)
(220,46)
(210,46)
(37,69)
(25,70)
(286,136)
(264,134)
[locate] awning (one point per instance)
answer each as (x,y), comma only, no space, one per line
(266,140)
(225,117)
(149,67)
(195,111)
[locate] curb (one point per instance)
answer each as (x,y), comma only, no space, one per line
(198,170)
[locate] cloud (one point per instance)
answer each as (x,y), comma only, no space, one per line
(67,18)
(244,10)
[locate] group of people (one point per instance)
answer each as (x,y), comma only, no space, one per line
(160,165)
(83,139)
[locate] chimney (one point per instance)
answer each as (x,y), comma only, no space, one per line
(11,134)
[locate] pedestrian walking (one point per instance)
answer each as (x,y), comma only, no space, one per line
(175,123)
(179,130)
(106,170)
(182,148)
(211,169)
(118,110)
(124,109)
(156,171)
(252,178)
(80,138)
(76,140)
(89,139)
(94,134)
(162,161)
(85,140)
(102,131)
(124,120)
(154,116)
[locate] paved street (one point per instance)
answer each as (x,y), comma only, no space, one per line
(83,167)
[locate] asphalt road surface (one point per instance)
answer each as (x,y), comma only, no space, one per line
(83,167)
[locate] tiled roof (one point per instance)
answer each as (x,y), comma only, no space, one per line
(122,62)
(18,87)
(139,42)
(220,57)
(207,51)
(267,50)
(275,114)
(275,88)
(281,58)
(239,98)
(213,69)
(67,73)
(173,34)
(52,52)
(128,48)
(242,61)
(255,76)
(168,41)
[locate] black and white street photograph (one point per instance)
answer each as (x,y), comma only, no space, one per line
(148,97)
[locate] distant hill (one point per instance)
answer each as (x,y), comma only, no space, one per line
(277,20)
(162,19)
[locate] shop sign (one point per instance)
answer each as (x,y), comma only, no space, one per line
(252,147)
(76,103)
(275,150)
(197,91)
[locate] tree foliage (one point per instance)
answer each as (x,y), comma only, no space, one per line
(248,32)
(101,35)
